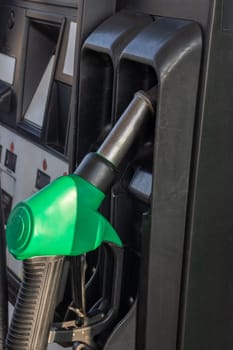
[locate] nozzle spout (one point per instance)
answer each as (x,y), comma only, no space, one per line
(120,139)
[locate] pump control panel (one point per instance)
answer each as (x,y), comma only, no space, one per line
(37,52)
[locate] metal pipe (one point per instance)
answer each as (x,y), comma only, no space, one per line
(128,126)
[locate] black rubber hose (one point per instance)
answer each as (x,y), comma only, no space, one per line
(3,280)
(35,304)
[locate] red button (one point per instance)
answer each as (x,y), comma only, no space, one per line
(45,164)
(12,147)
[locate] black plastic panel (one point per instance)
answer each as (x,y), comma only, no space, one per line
(124,333)
(183,9)
(162,60)
(227,20)
(141,185)
(58,116)
(99,59)
(133,76)
(207,317)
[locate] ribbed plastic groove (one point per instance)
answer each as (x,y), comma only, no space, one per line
(35,304)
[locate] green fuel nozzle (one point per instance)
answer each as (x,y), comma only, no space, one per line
(63,218)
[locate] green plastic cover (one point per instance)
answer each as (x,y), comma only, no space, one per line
(61,219)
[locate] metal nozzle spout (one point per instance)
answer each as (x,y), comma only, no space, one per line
(128,126)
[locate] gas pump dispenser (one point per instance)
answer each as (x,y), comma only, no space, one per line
(116,172)
(62,219)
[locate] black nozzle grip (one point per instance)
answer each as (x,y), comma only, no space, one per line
(35,305)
